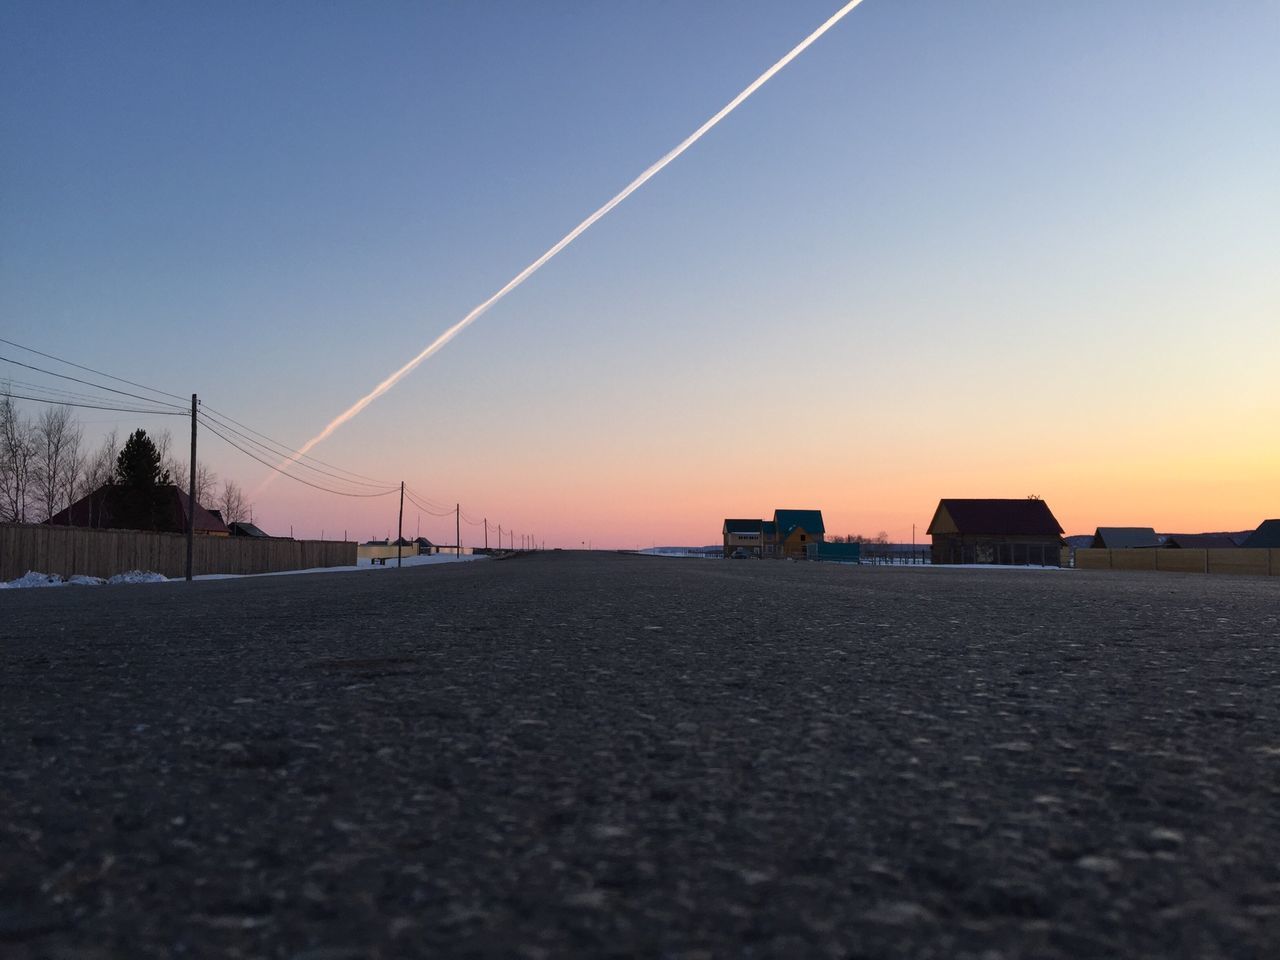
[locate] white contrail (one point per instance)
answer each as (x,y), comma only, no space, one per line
(572,235)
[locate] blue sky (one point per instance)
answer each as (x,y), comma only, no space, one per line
(275,205)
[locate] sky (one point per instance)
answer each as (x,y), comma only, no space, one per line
(988,249)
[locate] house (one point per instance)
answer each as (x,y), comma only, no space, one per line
(1021,531)
(1267,535)
(424,546)
(796,532)
(746,535)
(1125,538)
(101,510)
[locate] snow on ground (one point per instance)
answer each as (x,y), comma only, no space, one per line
(34,579)
(362,564)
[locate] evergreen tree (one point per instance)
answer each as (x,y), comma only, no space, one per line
(137,488)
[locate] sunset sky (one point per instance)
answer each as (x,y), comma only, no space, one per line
(953,250)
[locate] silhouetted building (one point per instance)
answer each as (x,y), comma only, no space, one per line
(996,531)
(1267,535)
(1125,538)
(102,510)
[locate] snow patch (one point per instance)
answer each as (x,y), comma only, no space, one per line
(33,578)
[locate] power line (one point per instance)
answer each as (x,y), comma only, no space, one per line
(78,366)
(9,381)
(426,509)
(89,383)
(95,406)
(293,454)
(308,483)
(275,452)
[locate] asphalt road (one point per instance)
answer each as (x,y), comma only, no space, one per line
(616,756)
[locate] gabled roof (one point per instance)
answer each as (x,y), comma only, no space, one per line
(242,528)
(1267,535)
(743,526)
(810,521)
(1125,538)
(94,510)
(1020,518)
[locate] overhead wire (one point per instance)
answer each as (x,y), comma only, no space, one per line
(253,456)
(79,366)
(96,406)
(284,446)
(90,383)
(275,451)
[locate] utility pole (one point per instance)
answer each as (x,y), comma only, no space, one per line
(191,493)
(499,536)
(457,529)
(400,530)
(486,534)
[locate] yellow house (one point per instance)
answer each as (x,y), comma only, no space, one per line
(797,532)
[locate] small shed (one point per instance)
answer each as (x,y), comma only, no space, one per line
(1022,532)
(1125,538)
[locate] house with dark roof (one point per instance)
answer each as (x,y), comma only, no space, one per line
(1125,538)
(1023,532)
(797,532)
(103,510)
(1267,535)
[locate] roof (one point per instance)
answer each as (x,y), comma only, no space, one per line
(810,521)
(743,526)
(241,528)
(1267,535)
(1021,518)
(768,528)
(1125,538)
(1200,541)
(94,510)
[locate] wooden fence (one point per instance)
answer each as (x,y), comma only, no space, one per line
(104,553)
(1258,562)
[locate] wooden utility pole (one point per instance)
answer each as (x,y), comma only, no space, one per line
(486,534)
(457,528)
(400,530)
(499,536)
(191,494)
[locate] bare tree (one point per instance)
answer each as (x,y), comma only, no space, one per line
(206,483)
(17,461)
(100,465)
(232,503)
(74,467)
(54,433)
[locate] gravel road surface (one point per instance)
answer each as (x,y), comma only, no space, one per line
(600,755)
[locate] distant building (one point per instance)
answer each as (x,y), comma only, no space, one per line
(797,532)
(1125,538)
(1267,535)
(744,535)
(791,533)
(101,509)
(996,531)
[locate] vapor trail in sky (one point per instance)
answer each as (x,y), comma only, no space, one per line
(572,235)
